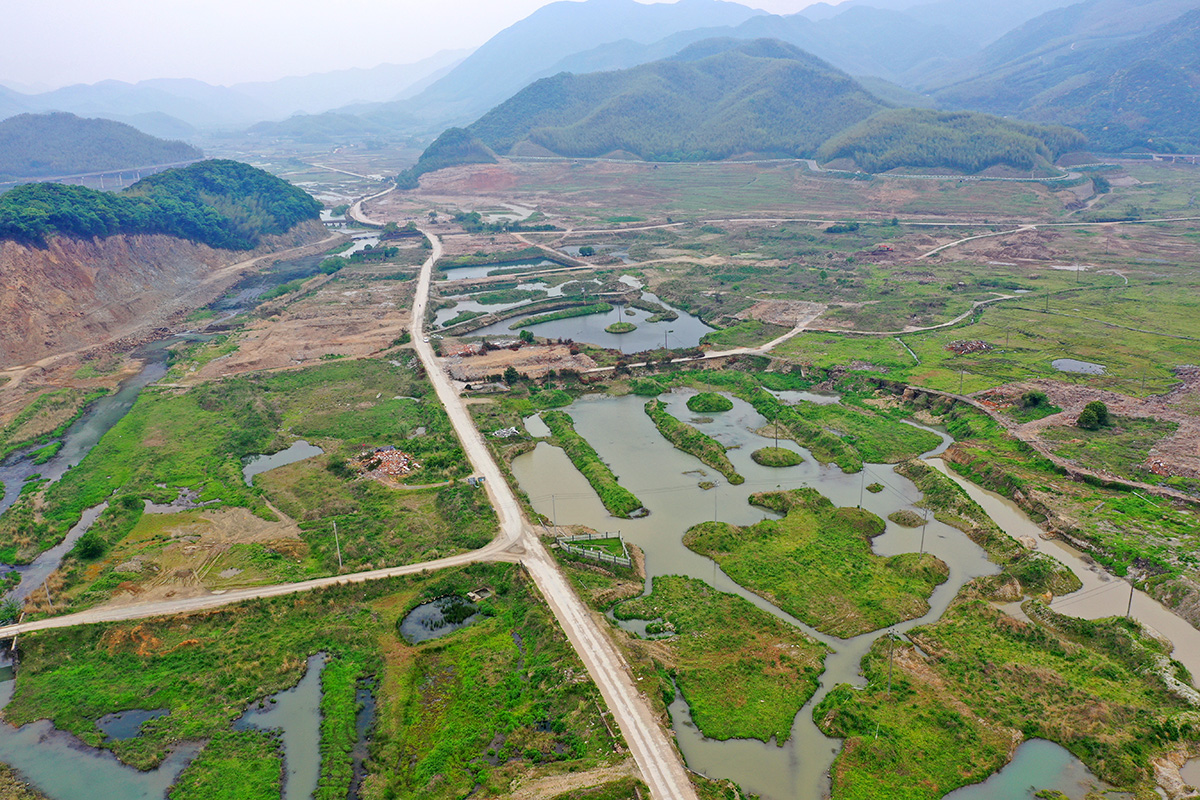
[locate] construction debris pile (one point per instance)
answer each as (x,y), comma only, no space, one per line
(389,461)
(965,346)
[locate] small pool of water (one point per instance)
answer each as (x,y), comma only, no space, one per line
(297,452)
(127,724)
(297,713)
(437,618)
(483,270)
(684,331)
(1074,365)
(818,398)
(536,426)
(1038,764)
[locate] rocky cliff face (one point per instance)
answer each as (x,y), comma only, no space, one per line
(78,293)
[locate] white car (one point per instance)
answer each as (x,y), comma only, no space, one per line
(425,339)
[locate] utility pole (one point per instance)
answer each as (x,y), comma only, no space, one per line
(665,339)
(1129,608)
(337,544)
(46,586)
(862,484)
(776,427)
(554,513)
(923,524)
(890,642)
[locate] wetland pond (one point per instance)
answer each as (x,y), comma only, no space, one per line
(668,482)
(1076,366)
(437,618)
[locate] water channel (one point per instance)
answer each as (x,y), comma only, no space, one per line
(667,481)
(297,713)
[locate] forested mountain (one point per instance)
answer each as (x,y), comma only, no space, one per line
(224,204)
(715,99)
(960,140)
(45,145)
(1141,93)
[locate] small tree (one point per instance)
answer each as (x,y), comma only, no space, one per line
(511,375)
(527,336)
(587,250)
(1093,416)
(1034,399)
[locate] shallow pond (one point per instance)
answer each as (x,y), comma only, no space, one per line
(667,482)
(64,768)
(1038,764)
(297,713)
(685,331)
(297,452)
(437,618)
(484,270)
(1073,365)
(127,724)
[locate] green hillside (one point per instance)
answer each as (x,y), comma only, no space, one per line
(45,145)
(715,99)
(959,140)
(225,204)
(1137,94)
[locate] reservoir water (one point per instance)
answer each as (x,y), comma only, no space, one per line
(297,452)
(667,482)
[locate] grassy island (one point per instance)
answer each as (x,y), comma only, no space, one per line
(817,564)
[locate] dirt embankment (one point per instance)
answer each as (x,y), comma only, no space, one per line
(77,293)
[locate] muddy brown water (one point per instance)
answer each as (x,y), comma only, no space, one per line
(667,482)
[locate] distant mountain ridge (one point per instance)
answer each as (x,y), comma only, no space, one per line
(715,99)
(48,145)
(1137,93)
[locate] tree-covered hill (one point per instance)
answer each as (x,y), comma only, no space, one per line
(45,145)
(1135,94)
(961,140)
(715,99)
(224,204)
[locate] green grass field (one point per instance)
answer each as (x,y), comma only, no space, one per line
(983,675)
(486,705)
(744,673)
(816,564)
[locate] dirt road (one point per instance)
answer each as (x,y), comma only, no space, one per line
(649,745)
(655,756)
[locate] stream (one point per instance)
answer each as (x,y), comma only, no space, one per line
(668,484)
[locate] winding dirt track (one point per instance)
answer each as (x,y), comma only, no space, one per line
(649,744)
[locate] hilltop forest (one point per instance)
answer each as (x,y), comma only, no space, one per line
(45,145)
(220,203)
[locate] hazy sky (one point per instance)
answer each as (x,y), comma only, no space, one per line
(51,43)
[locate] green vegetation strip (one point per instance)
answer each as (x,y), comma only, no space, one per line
(619,501)
(981,676)
(744,673)
(621,327)
(566,313)
(692,441)
(817,564)
(951,505)
(483,706)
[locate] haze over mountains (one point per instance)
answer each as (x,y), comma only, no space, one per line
(1123,71)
